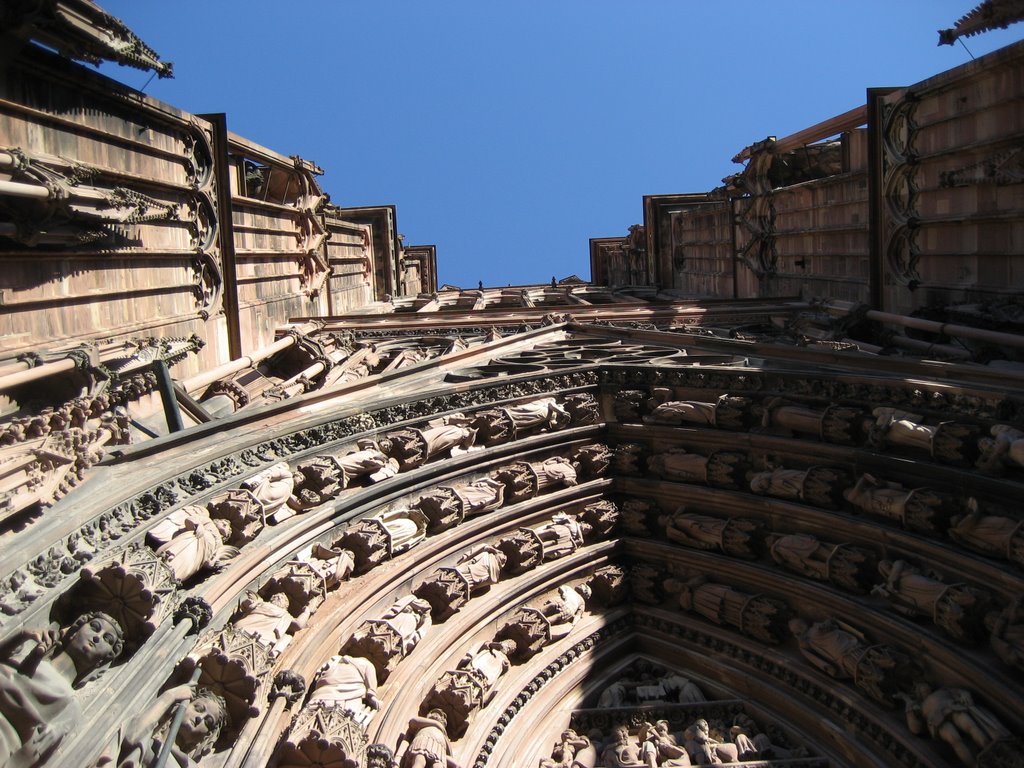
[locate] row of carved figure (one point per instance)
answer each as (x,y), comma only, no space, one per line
(378,645)
(656,744)
(133,588)
(960,610)
(992,448)
(883,672)
(921,509)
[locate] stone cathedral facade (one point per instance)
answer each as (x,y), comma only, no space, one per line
(270,496)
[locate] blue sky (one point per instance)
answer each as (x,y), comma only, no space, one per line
(509,134)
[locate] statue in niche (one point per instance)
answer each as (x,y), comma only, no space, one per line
(450,505)
(370,461)
(334,564)
(701,747)
(189,540)
(348,682)
(553,472)
(734,536)
(206,714)
(952,716)
(1007,638)
(721,469)
(1005,448)
(413,447)
(844,565)
(565,749)
(269,620)
(543,412)
(757,616)
(387,640)
(821,486)
(272,488)
(428,742)
(488,662)
(518,480)
(681,689)
(752,744)
(957,609)
(316,482)
(841,652)
(599,519)
(948,442)
(621,751)
(375,539)
(451,588)
(471,685)
(919,509)
(242,511)
(989,534)
(836,424)
(658,747)
(727,412)
(39,672)
(566,609)
(562,536)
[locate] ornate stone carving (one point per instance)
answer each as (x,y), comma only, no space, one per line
(629,459)
(289,685)
(324,735)
(835,424)
(1007,638)
(727,412)
(271,488)
(645,583)
(609,585)
(919,509)
(949,442)
(735,536)
(583,409)
(846,566)
(243,512)
(762,618)
(721,469)
(269,618)
(389,639)
(451,588)
(137,589)
(842,652)
(957,609)
(1005,449)
(381,537)
(39,672)
(413,447)
(499,425)
(348,683)
(638,517)
(952,716)
(206,715)
(459,692)
(428,745)
(628,404)
(820,486)
(993,535)
(533,628)
(565,749)
(190,540)
(235,665)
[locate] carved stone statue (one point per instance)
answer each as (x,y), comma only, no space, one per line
(841,564)
(957,609)
(621,751)
(645,583)
(370,462)
(562,536)
(544,411)
(841,652)
(836,424)
(1004,449)
(385,641)
(316,482)
(428,742)
(628,459)
(349,682)
(205,715)
(658,747)
(413,447)
(952,716)
(189,540)
(949,442)
(387,534)
(734,536)
(920,509)
(993,535)
(272,488)
(565,749)
(39,672)
(762,618)
(636,516)
(554,472)
(566,609)
(459,692)
(628,404)
(451,588)
(268,619)
(1007,639)
(721,469)
(821,486)
(728,412)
